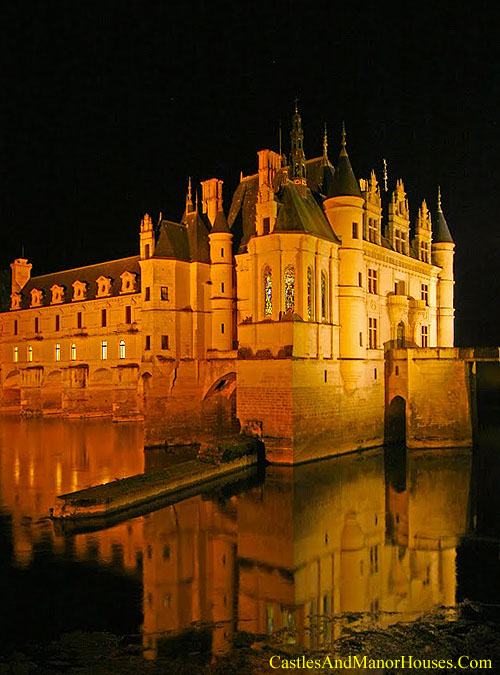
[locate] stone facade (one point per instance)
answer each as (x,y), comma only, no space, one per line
(287,320)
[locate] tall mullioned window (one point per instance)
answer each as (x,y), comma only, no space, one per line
(372,281)
(268,292)
(424,293)
(310,293)
(425,336)
(324,298)
(372,333)
(289,284)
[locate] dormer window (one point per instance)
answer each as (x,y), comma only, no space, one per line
(79,290)
(103,286)
(36,297)
(57,294)
(15,301)
(128,282)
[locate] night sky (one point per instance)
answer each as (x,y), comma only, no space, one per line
(107,109)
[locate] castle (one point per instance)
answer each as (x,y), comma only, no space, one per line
(312,316)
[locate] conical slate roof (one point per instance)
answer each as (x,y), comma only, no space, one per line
(441,234)
(344,181)
(220,224)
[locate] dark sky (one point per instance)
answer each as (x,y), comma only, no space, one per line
(108,107)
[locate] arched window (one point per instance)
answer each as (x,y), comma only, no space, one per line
(73,352)
(30,353)
(289,284)
(58,352)
(122,349)
(268,292)
(324,297)
(310,293)
(16,354)
(104,350)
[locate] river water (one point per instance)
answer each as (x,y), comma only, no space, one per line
(295,556)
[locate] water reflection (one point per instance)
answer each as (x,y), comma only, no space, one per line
(370,537)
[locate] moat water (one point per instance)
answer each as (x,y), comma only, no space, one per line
(295,557)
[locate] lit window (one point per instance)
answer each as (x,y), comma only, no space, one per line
(310,293)
(424,293)
(289,283)
(122,349)
(164,342)
(16,354)
(372,281)
(58,352)
(324,298)
(104,350)
(372,333)
(425,336)
(268,292)
(164,292)
(73,352)
(30,353)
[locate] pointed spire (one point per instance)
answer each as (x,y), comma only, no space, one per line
(220,223)
(442,232)
(325,147)
(297,156)
(344,183)
(189,199)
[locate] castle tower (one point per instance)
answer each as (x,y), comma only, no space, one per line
(211,198)
(221,275)
(267,207)
(297,157)
(147,237)
(423,234)
(398,227)
(443,251)
(344,210)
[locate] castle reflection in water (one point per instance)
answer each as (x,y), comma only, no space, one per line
(294,551)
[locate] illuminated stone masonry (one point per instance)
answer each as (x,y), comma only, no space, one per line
(314,316)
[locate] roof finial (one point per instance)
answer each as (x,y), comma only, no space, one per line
(385,174)
(439,198)
(325,145)
(343,135)
(189,199)
(296,105)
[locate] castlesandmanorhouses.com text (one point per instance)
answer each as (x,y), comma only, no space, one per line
(354,661)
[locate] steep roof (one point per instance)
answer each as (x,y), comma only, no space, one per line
(173,241)
(441,232)
(89,274)
(297,213)
(344,181)
(220,224)
(198,227)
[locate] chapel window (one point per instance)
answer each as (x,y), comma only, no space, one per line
(324,298)
(268,292)
(289,284)
(310,293)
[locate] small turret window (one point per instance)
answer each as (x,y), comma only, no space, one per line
(164,292)
(355,234)
(289,283)
(268,292)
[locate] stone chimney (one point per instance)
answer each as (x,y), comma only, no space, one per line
(21,273)
(211,198)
